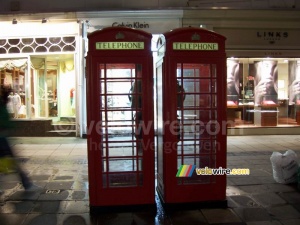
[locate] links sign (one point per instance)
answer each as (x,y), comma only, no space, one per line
(195,46)
(119,45)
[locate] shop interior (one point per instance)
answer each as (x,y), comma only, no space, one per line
(263,92)
(47,91)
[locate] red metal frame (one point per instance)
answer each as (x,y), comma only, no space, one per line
(174,189)
(104,147)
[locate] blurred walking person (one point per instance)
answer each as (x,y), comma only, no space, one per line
(5,148)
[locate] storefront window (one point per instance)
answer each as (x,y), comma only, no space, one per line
(263,92)
(54,86)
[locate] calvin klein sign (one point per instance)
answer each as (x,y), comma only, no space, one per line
(272,36)
(131,25)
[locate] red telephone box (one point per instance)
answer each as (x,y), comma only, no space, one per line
(191,117)
(120,119)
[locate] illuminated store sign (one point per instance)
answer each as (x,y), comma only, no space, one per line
(272,36)
(119,45)
(131,25)
(195,46)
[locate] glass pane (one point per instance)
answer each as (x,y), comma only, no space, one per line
(197,119)
(122,124)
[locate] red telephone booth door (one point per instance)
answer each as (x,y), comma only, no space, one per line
(120,119)
(190,115)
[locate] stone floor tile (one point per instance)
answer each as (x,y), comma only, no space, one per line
(282,187)
(24,195)
(145,218)
(273,222)
(233,190)
(41,219)
(244,201)
(114,218)
(46,207)
(284,212)
(220,216)
(76,207)
(17,207)
(54,195)
(291,197)
(59,185)
(243,180)
(82,219)
(290,222)
(192,216)
(252,214)
(268,199)
(13,219)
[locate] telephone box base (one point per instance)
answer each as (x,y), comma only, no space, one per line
(170,207)
(123,208)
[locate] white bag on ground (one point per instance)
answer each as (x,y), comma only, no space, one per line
(285,167)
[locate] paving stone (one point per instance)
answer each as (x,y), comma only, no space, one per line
(62,195)
(290,222)
(59,185)
(266,180)
(281,187)
(24,195)
(239,180)
(45,207)
(146,218)
(268,199)
(220,216)
(244,201)
(291,197)
(76,207)
(252,189)
(252,214)
(192,216)
(233,190)
(273,222)
(12,219)
(41,219)
(78,195)
(75,220)
(284,212)
(17,207)
(40,177)
(63,178)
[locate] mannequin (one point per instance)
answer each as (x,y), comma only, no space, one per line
(9,104)
(16,99)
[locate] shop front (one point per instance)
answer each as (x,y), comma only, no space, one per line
(40,68)
(262,68)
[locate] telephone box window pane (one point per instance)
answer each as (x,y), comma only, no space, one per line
(121,126)
(213,86)
(213,70)
(194,70)
(197,85)
(118,148)
(205,101)
(214,101)
(122,164)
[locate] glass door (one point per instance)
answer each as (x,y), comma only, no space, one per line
(46,90)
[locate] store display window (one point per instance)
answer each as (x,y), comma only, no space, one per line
(264,91)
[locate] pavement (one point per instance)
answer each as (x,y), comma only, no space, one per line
(59,166)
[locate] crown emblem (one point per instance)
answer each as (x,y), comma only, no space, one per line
(195,37)
(120,36)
